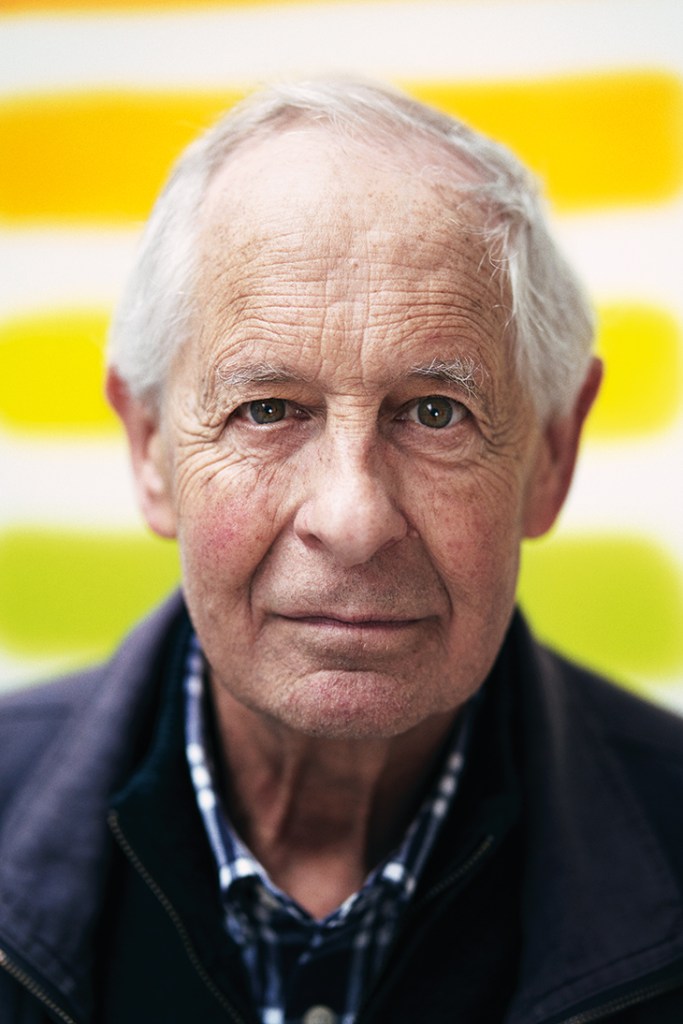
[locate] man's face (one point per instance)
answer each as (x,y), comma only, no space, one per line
(349,512)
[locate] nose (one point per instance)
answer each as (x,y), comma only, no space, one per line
(349,509)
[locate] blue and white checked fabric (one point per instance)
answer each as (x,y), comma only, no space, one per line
(295,962)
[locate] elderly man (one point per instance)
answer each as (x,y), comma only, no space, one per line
(337,781)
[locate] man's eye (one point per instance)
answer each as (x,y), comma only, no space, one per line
(267,410)
(436,411)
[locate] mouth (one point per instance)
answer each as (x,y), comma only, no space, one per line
(352,623)
(363,640)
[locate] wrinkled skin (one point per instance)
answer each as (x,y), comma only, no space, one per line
(349,553)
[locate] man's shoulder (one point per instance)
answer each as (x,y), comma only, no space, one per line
(33,718)
(599,772)
(632,743)
(42,716)
(622,716)
(51,696)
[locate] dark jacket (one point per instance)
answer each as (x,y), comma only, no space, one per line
(555,893)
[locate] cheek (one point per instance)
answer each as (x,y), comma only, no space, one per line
(475,533)
(223,535)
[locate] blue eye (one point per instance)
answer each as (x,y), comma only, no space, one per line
(437,411)
(268,410)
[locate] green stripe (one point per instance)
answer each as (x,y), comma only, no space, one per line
(613,602)
(64,592)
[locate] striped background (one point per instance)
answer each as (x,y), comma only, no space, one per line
(95,101)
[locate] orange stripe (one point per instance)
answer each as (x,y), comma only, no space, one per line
(95,156)
(102,156)
(594,139)
(82,6)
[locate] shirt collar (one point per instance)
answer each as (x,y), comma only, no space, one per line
(399,872)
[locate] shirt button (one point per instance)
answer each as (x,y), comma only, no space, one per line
(320,1015)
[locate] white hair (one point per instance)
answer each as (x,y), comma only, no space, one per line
(550,317)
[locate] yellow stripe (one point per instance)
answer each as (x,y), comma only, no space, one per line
(51,368)
(642,391)
(595,140)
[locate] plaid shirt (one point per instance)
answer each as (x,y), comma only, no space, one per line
(302,970)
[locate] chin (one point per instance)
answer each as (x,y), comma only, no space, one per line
(353,706)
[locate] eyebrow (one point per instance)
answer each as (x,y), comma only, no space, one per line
(256,373)
(465,374)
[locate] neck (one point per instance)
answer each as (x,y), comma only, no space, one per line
(318,813)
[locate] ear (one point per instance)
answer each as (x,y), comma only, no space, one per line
(151,468)
(556,458)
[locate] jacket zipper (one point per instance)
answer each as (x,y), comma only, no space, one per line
(175,918)
(33,988)
(456,875)
(477,854)
(625,1002)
